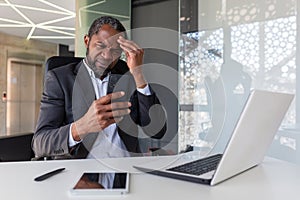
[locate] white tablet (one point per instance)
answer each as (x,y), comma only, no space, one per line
(108,183)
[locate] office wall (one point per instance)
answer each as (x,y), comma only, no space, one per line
(19,48)
(159,21)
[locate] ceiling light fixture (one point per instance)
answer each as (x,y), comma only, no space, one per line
(54,31)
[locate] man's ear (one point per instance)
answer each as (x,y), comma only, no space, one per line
(86,41)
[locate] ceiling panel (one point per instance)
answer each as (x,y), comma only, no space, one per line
(29,3)
(50,17)
(66,23)
(7,14)
(56,33)
(25,31)
(37,16)
(67,4)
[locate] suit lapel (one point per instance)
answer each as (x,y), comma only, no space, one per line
(83,92)
(83,97)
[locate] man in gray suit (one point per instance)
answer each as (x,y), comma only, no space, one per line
(80,117)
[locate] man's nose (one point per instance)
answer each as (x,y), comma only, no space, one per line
(106,53)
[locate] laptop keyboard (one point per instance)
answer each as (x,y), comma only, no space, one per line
(200,166)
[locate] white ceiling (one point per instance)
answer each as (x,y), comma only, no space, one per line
(47,20)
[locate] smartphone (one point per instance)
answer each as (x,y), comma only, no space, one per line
(102,183)
(119,83)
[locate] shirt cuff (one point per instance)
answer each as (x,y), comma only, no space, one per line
(72,142)
(145,91)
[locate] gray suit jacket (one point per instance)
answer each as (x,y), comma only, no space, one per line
(68,94)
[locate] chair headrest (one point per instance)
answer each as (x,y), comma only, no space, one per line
(58,61)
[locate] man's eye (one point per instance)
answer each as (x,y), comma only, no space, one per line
(101,46)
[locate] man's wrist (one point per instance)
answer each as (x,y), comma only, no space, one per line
(138,77)
(75,133)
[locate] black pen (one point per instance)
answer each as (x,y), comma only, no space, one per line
(49,174)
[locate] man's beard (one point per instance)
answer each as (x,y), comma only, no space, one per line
(98,71)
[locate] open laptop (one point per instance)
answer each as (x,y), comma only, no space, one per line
(258,123)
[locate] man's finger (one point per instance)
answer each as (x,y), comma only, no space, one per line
(120,105)
(107,123)
(113,114)
(107,98)
(120,113)
(128,45)
(113,106)
(113,120)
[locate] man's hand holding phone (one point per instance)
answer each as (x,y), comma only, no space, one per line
(102,113)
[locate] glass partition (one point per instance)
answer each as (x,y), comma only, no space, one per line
(238,46)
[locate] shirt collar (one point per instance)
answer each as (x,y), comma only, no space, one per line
(92,74)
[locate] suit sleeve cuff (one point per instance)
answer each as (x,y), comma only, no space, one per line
(145,91)
(72,142)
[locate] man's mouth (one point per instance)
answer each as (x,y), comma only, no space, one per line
(102,64)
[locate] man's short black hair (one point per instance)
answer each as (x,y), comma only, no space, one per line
(99,22)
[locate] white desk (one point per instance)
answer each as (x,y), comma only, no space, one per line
(274,179)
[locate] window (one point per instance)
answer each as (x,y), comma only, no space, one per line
(239,46)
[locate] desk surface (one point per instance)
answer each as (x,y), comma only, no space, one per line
(273,179)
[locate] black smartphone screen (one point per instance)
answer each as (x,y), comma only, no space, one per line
(102,183)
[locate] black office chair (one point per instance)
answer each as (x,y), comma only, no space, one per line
(57,61)
(16,148)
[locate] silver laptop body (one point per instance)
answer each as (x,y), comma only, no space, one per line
(250,140)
